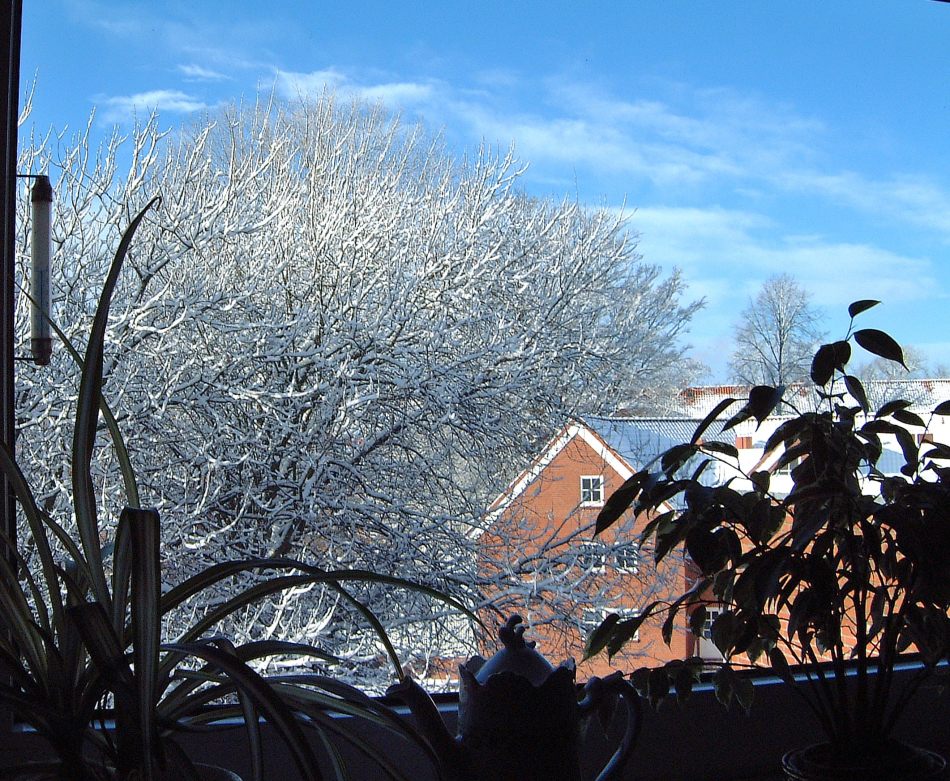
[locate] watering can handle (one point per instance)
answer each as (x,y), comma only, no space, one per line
(597,689)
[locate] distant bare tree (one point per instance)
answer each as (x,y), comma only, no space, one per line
(776,335)
(881,369)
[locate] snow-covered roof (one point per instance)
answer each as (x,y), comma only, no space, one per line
(640,440)
(924,395)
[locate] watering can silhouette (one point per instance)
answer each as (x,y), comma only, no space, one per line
(519,717)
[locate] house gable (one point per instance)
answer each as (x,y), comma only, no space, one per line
(575,448)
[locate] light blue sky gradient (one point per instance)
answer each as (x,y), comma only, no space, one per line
(744,140)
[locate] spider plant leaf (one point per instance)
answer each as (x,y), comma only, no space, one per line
(328,724)
(252,725)
(265,699)
(111,672)
(218,572)
(16,616)
(336,761)
(122,557)
(87,416)
(259,649)
(35,521)
(146,593)
(118,442)
(370,617)
(37,597)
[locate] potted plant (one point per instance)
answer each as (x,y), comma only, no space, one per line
(839,577)
(81,623)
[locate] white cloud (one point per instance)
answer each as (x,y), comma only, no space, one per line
(727,254)
(197,73)
(123,108)
(303,85)
(911,198)
(395,95)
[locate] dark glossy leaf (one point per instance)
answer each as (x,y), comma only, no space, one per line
(667,540)
(698,471)
(763,399)
(881,427)
(659,686)
(723,681)
(722,586)
(683,680)
(721,407)
(640,680)
(720,447)
(626,630)
(823,365)
(807,523)
(938,450)
(740,417)
(697,620)
(676,457)
(745,691)
(861,306)
(761,480)
(908,418)
(842,354)
(891,407)
(706,549)
(856,389)
(670,623)
(943,408)
(789,431)
(909,447)
(722,631)
(619,501)
(599,637)
(880,344)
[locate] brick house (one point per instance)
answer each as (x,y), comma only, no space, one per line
(539,543)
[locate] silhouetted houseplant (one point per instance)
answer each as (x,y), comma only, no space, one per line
(81,623)
(840,577)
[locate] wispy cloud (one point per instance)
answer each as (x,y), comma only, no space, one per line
(395,95)
(122,108)
(727,254)
(197,73)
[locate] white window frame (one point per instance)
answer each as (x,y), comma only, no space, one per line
(592,617)
(593,551)
(707,648)
(625,550)
(592,487)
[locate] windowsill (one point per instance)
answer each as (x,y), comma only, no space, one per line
(702,742)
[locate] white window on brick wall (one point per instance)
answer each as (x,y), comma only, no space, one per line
(592,617)
(592,490)
(627,558)
(590,556)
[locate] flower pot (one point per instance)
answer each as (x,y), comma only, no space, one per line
(901,762)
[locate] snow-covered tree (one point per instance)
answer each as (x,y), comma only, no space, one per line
(333,340)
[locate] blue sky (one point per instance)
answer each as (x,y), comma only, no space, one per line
(744,140)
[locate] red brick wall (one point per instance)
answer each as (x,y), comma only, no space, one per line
(546,516)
